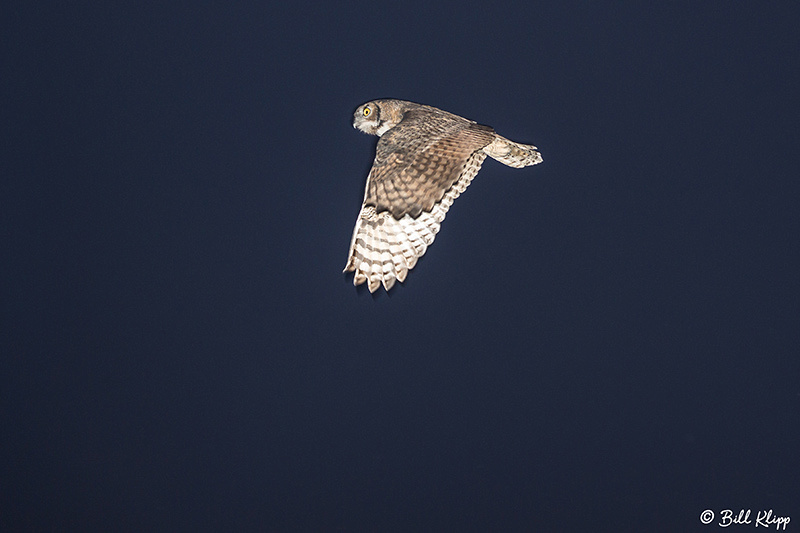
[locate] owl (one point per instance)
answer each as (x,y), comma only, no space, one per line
(425,158)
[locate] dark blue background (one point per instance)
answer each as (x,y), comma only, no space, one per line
(606,341)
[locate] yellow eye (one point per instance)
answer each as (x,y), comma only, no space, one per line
(367,111)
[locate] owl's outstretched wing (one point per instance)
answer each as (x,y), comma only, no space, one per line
(384,248)
(420,159)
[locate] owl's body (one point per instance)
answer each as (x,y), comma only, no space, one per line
(424,160)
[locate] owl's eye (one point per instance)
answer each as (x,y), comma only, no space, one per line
(367,111)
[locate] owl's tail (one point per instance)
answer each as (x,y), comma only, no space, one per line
(513,154)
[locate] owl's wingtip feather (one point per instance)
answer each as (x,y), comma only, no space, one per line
(376,280)
(373,284)
(388,283)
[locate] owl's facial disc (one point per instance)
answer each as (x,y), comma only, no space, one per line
(366,118)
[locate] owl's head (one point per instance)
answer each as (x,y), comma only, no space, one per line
(377,117)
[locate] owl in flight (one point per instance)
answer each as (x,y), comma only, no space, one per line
(424,160)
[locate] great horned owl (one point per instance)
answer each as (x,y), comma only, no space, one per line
(424,160)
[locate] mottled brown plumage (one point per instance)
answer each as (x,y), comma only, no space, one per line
(424,160)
